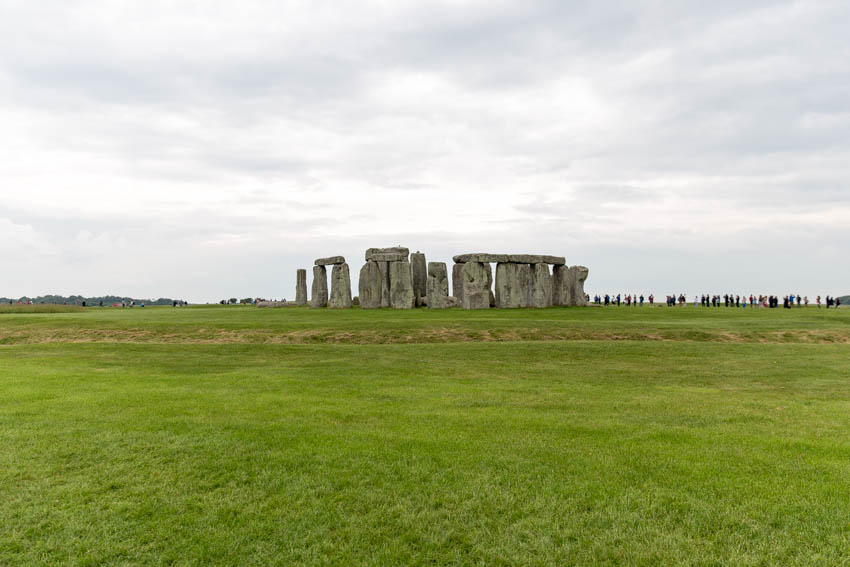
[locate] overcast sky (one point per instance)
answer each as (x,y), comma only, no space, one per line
(208,149)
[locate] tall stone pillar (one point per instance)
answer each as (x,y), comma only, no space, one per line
(457,282)
(319,290)
(301,287)
(384,268)
(420,275)
(524,278)
(578,275)
(541,286)
(369,286)
(476,294)
(401,285)
(508,289)
(340,287)
(560,285)
(437,287)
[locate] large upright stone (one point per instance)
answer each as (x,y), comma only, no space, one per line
(437,286)
(420,274)
(560,285)
(457,281)
(476,293)
(578,275)
(369,286)
(301,287)
(524,278)
(319,297)
(541,286)
(340,287)
(509,293)
(401,286)
(384,267)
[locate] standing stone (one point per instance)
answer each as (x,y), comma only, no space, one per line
(340,287)
(320,287)
(420,274)
(476,294)
(523,276)
(508,289)
(457,281)
(541,286)
(578,274)
(437,287)
(560,285)
(401,286)
(369,286)
(384,267)
(301,287)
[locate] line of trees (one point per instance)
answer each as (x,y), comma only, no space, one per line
(79,299)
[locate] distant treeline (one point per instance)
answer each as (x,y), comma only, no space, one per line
(79,299)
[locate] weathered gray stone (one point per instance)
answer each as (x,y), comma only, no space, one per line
(395,253)
(457,281)
(420,274)
(437,286)
(401,286)
(487,257)
(388,257)
(577,277)
(333,260)
(370,286)
(319,297)
(301,287)
(476,294)
(509,293)
(452,301)
(483,257)
(385,283)
(560,285)
(340,287)
(541,286)
(524,278)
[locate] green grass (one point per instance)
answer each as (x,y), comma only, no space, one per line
(698,437)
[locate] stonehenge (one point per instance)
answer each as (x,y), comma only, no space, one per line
(437,286)
(301,287)
(340,287)
(393,277)
(319,291)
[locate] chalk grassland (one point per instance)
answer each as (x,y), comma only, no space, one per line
(249,325)
(693,450)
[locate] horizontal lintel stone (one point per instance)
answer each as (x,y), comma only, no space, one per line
(330,261)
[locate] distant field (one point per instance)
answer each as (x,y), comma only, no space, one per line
(596,436)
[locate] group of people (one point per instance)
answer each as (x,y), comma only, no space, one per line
(707,300)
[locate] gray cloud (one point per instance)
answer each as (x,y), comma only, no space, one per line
(188,142)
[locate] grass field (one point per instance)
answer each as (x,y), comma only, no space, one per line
(597,436)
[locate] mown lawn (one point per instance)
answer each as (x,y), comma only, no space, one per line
(721,438)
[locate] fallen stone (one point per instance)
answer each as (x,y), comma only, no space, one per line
(319,297)
(333,260)
(476,294)
(457,281)
(370,286)
(420,274)
(437,286)
(452,301)
(401,286)
(301,287)
(541,286)
(399,252)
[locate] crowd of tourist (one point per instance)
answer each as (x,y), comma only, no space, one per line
(725,300)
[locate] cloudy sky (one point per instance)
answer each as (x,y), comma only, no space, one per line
(208,149)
